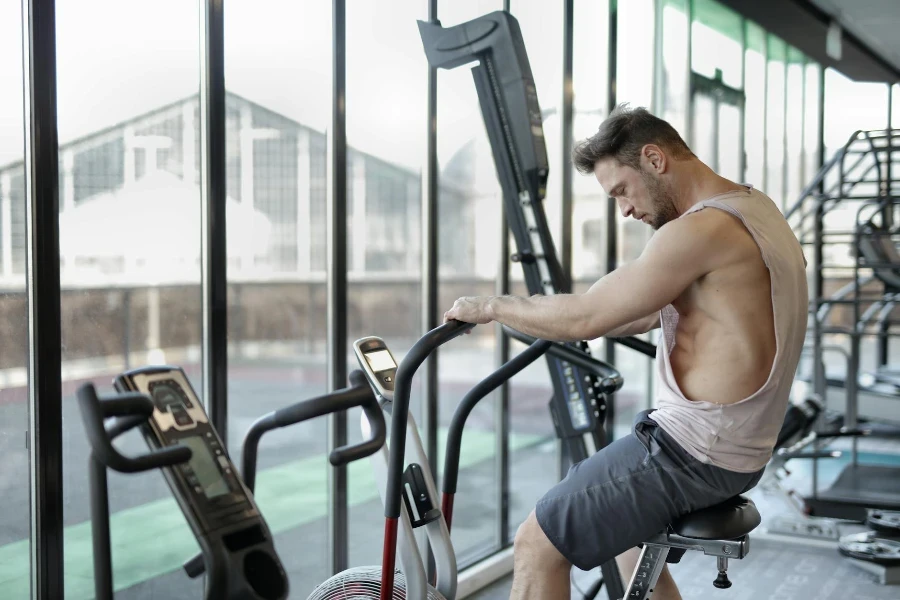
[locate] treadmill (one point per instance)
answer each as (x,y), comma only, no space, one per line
(861,487)
(512,117)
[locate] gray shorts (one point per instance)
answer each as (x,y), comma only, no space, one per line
(629,491)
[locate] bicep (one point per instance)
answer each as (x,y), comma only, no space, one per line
(672,260)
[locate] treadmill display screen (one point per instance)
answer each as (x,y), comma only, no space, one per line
(204,467)
(381,360)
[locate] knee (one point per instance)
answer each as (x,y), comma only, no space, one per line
(531,543)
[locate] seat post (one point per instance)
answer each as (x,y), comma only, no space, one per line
(722,582)
(647,571)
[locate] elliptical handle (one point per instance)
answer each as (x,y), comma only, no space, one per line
(610,379)
(369,403)
(427,344)
(129,404)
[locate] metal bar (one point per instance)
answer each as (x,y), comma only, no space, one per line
(430,402)
(430,249)
(784,135)
(501,403)
(818,259)
(742,167)
(689,7)
(765,181)
(214,251)
(43,289)
(568,100)
(803,125)
(609,349)
(336,236)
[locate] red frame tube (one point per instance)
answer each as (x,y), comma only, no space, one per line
(447,508)
(388,557)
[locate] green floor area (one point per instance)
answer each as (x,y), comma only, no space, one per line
(154,538)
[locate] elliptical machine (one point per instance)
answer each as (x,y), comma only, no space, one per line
(237,550)
(410,494)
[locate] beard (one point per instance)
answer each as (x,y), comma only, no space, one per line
(663,201)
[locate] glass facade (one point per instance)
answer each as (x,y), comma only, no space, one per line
(129,180)
(15,567)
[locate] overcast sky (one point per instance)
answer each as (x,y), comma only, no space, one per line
(120,58)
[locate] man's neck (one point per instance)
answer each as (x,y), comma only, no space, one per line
(695,182)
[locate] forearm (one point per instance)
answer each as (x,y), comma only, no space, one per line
(560,317)
(637,327)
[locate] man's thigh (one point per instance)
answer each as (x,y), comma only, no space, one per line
(608,503)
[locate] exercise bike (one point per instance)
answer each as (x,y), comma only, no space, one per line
(237,549)
(410,494)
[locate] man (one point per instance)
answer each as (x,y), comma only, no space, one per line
(725,278)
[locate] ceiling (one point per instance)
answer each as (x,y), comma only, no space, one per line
(875,23)
(870,46)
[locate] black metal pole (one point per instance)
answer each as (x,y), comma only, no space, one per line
(430,402)
(609,353)
(568,100)
(214,283)
(44,329)
(501,404)
(818,258)
(103,579)
(337,288)
(430,247)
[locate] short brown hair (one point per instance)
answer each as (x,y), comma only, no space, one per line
(622,135)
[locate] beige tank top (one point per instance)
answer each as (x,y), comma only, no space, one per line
(741,436)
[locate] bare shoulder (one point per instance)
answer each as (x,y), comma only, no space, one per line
(711,237)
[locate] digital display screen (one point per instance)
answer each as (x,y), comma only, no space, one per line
(381,360)
(205,468)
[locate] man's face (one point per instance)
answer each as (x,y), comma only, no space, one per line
(640,194)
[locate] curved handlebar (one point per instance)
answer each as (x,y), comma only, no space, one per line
(359,393)
(427,344)
(475,395)
(136,408)
(610,378)
(362,391)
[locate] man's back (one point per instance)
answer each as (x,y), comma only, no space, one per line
(732,339)
(725,339)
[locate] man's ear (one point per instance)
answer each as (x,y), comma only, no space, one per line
(654,158)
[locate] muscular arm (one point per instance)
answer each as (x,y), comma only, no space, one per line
(637,327)
(679,253)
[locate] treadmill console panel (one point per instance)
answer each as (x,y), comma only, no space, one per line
(207,486)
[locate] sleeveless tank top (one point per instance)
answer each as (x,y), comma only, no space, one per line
(741,436)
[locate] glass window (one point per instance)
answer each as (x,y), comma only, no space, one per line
(775,121)
(469,231)
(634,52)
(276,119)
(533,466)
(15,550)
(851,106)
(811,121)
(634,84)
(794,168)
(716,42)
(755,105)
(591,91)
(130,251)
(386,129)
(673,88)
